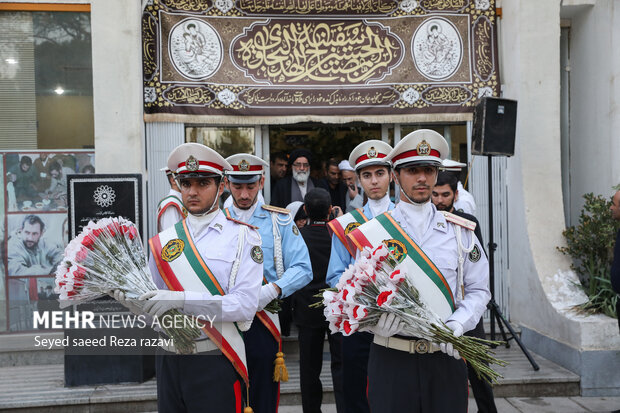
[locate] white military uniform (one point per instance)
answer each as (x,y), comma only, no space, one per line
(439,243)
(431,381)
(218,246)
(170,210)
(206,265)
(465,201)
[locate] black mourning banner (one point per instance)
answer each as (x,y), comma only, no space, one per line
(269,58)
(96,196)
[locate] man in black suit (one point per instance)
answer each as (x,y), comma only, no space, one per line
(278,168)
(334,185)
(444,194)
(311,322)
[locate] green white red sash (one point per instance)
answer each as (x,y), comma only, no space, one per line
(171,201)
(269,319)
(421,270)
(174,252)
(344,225)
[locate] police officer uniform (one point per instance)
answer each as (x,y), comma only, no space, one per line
(286,264)
(356,347)
(170,209)
(402,375)
(222,279)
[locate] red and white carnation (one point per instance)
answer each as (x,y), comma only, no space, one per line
(378,284)
(106,256)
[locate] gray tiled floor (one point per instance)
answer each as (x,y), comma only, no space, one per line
(523,405)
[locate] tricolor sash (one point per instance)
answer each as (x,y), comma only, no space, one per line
(170,201)
(344,225)
(269,319)
(423,273)
(174,252)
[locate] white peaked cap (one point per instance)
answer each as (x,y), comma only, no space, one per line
(450,165)
(195,159)
(246,168)
(372,152)
(420,147)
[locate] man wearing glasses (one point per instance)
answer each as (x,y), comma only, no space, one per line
(295,186)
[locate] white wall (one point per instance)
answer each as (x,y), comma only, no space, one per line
(117,86)
(541,292)
(117,83)
(594,101)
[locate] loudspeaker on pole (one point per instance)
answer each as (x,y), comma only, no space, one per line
(495,122)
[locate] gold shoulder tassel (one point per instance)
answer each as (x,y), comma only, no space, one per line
(280,373)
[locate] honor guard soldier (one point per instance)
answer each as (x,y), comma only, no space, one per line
(206,265)
(170,209)
(369,159)
(406,374)
(286,268)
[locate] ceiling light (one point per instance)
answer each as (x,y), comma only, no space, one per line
(59,90)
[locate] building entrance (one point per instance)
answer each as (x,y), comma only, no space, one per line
(337,141)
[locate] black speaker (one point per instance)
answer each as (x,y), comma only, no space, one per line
(495,122)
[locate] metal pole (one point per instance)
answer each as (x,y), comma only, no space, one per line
(491,242)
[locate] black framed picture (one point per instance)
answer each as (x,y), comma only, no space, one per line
(96,196)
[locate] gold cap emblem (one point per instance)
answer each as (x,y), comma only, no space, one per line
(372,152)
(423,148)
(244,166)
(191,163)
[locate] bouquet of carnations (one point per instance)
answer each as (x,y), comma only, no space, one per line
(106,256)
(378,284)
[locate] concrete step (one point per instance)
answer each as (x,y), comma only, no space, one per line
(521,380)
(40,388)
(21,350)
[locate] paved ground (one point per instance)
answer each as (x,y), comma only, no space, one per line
(524,405)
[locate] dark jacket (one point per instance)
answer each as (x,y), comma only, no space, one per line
(338,194)
(319,244)
(281,193)
(615,267)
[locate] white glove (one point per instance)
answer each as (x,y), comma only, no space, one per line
(268,293)
(160,301)
(388,325)
(457,331)
(119,296)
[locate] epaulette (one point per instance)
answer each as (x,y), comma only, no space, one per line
(455,219)
(276,209)
(241,222)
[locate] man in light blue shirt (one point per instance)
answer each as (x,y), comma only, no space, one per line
(286,269)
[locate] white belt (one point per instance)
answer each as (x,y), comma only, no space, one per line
(199,346)
(410,346)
